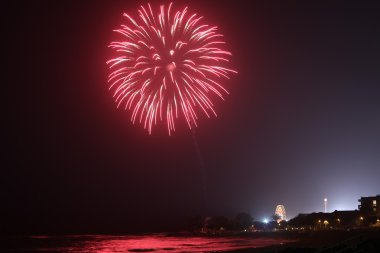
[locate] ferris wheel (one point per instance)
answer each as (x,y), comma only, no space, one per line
(280,212)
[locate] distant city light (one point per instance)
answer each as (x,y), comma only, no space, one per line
(265,221)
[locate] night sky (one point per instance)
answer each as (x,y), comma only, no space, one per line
(301,123)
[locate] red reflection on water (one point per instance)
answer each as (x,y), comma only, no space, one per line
(173,244)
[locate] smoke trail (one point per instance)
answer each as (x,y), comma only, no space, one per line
(202,169)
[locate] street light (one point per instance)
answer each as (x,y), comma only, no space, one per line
(361,220)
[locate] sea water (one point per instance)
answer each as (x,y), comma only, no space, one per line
(144,243)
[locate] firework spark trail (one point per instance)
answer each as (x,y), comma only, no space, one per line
(168,65)
(202,169)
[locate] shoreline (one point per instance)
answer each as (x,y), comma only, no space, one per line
(324,241)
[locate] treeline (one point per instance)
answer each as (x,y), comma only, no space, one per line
(241,222)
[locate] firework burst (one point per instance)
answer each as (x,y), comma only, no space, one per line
(168,66)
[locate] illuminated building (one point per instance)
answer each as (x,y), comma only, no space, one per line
(322,220)
(280,211)
(368,215)
(370,205)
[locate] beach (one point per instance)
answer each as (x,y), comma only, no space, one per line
(324,241)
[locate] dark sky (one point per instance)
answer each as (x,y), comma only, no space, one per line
(302,121)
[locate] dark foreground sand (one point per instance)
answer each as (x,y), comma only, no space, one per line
(325,241)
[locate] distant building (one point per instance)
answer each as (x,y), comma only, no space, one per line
(280,212)
(368,215)
(370,205)
(322,220)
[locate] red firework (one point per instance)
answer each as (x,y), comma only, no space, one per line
(168,65)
